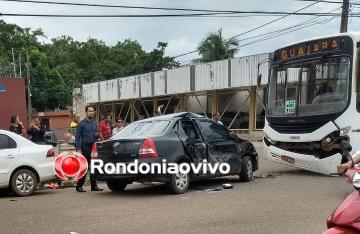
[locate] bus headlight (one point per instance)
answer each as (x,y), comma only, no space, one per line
(345,131)
(356,180)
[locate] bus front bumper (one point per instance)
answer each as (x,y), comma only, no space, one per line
(326,166)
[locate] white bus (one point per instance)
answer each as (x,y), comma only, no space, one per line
(313,102)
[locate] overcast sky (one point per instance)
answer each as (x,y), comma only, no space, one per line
(182,34)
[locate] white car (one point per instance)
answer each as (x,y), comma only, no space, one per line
(24,164)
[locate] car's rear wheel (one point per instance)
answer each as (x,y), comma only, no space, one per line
(179,182)
(117,186)
(23,183)
(246,173)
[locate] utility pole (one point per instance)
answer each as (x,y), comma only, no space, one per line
(344,16)
(20,70)
(13,59)
(28,88)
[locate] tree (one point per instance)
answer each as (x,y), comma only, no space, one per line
(156,59)
(64,64)
(215,47)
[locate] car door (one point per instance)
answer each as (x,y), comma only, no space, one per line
(8,156)
(222,148)
(193,143)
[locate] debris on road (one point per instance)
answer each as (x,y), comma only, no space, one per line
(211,190)
(53,186)
(228,186)
(268,175)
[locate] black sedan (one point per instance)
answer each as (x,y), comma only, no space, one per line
(177,138)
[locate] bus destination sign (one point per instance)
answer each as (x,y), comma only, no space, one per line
(309,48)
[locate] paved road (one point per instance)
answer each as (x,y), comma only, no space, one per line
(292,201)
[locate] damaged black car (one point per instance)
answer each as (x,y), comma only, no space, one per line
(181,138)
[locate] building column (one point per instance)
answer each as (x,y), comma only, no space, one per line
(113,112)
(182,106)
(252,112)
(132,113)
(214,102)
(155,106)
(97,112)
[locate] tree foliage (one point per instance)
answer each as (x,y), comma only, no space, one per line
(64,63)
(215,47)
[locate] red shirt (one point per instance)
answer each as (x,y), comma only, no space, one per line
(105,129)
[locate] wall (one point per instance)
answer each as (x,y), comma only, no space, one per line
(57,119)
(230,73)
(12,101)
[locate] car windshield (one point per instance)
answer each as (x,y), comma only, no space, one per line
(308,88)
(138,129)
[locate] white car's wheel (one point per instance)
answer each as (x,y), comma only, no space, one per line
(23,183)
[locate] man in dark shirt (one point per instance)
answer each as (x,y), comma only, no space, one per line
(36,131)
(86,135)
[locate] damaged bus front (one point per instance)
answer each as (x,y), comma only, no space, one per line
(312,102)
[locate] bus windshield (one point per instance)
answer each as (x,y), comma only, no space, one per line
(311,87)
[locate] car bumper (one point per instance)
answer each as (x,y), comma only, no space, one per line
(325,166)
(46,172)
(133,178)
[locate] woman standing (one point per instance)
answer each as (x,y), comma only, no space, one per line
(16,125)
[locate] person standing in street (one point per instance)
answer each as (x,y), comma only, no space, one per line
(118,126)
(105,128)
(217,117)
(86,136)
(16,125)
(158,111)
(36,131)
(107,115)
(75,121)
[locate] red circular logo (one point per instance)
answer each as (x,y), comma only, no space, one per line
(70,165)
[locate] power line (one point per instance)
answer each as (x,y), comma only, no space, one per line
(309,21)
(165,15)
(326,1)
(120,6)
(146,7)
(256,28)
(275,20)
(297,29)
(277,33)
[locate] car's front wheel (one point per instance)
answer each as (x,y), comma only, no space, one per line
(117,186)
(23,183)
(179,182)
(246,173)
